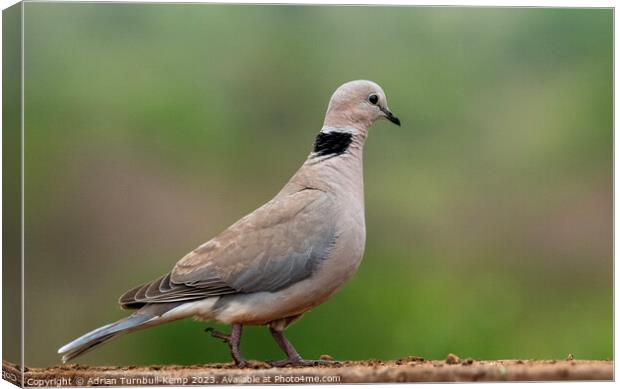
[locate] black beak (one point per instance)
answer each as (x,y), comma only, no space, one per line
(390,116)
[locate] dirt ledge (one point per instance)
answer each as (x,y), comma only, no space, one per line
(410,369)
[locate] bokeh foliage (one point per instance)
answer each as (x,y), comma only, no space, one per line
(152,127)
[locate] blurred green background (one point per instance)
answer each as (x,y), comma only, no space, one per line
(151,128)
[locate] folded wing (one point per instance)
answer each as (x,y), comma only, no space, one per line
(277,245)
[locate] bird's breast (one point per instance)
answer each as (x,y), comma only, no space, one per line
(348,250)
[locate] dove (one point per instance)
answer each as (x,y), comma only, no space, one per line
(280,261)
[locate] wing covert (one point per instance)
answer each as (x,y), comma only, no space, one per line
(277,245)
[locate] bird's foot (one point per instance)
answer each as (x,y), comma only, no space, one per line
(238,359)
(220,335)
(303,362)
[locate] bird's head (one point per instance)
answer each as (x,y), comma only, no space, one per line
(358,104)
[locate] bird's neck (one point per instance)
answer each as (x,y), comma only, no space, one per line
(335,163)
(342,117)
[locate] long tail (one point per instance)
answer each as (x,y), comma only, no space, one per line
(145,317)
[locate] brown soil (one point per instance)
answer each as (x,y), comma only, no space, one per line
(410,369)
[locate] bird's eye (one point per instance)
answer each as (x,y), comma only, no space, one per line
(373,99)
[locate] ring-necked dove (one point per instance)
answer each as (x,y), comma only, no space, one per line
(281,260)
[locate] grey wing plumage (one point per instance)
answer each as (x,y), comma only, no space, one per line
(277,245)
(162,290)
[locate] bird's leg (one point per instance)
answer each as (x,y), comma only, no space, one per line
(233,340)
(293,357)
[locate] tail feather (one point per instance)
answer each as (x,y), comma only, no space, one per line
(103,334)
(73,353)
